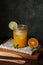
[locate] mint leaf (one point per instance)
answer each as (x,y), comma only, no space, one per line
(16,46)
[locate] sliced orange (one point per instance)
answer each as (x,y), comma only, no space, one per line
(33,42)
(12,25)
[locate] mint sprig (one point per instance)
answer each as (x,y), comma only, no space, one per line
(16,46)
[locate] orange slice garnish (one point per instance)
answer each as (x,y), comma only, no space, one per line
(12,25)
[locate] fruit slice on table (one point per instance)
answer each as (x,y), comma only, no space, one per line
(12,25)
(33,43)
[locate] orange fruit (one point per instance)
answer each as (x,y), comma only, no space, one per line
(33,42)
(12,25)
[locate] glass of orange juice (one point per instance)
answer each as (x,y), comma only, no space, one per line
(20,36)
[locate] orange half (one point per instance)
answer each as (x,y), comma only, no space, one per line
(33,42)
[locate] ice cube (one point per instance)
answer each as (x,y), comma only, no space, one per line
(19,33)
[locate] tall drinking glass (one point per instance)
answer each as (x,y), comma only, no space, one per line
(20,36)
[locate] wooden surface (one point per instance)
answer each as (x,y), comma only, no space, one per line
(6,52)
(13,57)
(13,53)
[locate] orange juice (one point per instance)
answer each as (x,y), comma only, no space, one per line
(20,36)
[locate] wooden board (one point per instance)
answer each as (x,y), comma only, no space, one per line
(13,53)
(6,52)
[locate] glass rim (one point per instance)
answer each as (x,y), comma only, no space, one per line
(22,26)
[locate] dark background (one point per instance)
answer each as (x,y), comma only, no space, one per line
(29,12)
